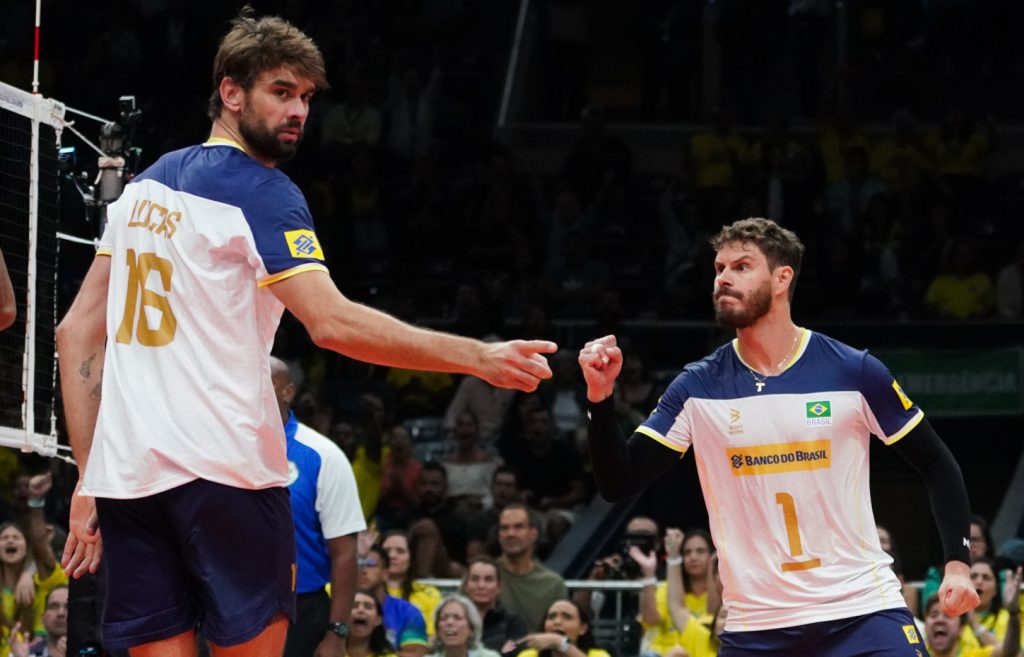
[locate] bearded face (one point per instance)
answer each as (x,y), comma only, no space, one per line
(735,309)
(278,143)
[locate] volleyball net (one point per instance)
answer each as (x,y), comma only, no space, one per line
(30,132)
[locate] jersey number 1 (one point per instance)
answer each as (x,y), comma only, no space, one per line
(796,548)
(139,268)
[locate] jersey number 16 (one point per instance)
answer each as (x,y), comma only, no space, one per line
(139,268)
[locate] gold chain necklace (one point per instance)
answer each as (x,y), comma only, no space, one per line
(762,381)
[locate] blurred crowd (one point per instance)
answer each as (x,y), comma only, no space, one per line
(422,212)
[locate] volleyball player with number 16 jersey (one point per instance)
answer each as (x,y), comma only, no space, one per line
(165,370)
(780,421)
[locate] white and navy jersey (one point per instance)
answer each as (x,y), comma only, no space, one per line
(785,477)
(325,502)
(194,241)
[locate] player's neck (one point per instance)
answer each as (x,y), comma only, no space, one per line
(769,342)
(224,127)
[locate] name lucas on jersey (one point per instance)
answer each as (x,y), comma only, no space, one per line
(154,217)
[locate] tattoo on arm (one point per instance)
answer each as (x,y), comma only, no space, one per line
(85,369)
(97,392)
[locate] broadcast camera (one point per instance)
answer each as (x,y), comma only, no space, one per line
(116,166)
(646,542)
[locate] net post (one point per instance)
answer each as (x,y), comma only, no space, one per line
(28,412)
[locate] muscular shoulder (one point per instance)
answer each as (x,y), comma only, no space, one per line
(222,174)
(843,366)
(699,378)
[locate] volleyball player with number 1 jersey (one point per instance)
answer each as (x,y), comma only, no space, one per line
(780,420)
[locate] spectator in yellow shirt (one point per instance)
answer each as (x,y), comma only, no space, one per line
(943,632)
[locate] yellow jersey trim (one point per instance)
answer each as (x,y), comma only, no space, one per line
(907,428)
(651,433)
(288,273)
(104,252)
(221,141)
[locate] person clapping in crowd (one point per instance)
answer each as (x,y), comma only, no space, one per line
(990,620)
(566,633)
(675,623)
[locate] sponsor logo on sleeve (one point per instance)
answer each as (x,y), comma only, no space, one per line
(303,244)
(902,395)
(780,457)
(911,633)
(818,413)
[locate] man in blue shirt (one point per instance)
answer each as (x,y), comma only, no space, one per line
(327,516)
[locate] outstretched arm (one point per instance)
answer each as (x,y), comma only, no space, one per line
(339,324)
(925,452)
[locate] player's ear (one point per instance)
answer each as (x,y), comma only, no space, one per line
(231,94)
(783,277)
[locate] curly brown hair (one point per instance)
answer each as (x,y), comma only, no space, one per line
(780,246)
(253,46)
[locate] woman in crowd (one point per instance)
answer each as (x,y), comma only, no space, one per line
(696,554)
(566,633)
(981,538)
(366,634)
(400,582)
(400,471)
(697,630)
(469,468)
(18,549)
(501,628)
(989,620)
(458,629)
(691,555)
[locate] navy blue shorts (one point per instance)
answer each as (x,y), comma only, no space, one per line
(888,633)
(199,554)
